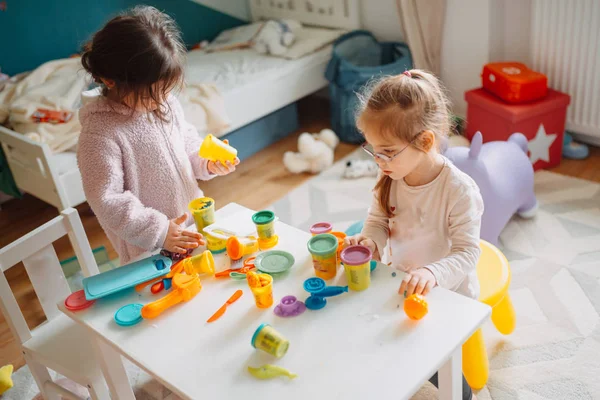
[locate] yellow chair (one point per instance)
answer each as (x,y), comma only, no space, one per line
(493,272)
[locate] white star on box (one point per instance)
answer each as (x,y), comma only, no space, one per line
(539,146)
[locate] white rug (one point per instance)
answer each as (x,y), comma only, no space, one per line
(554,352)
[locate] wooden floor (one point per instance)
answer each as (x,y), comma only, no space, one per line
(258,182)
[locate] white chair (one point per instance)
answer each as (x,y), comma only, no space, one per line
(58,344)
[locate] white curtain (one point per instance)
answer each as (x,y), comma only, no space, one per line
(422,24)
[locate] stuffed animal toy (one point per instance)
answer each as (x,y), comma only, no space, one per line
(360,168)
(276,36)
(315,152)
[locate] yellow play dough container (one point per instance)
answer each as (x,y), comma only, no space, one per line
(357,264)
(265,224)
(203,211)
(263,295)
(214,149)
(214,244)
(267,339)
(200,264)
(323,248)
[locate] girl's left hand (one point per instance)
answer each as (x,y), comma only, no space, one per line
(420,281)
(220,168)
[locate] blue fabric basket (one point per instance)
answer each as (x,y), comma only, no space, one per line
(358,57)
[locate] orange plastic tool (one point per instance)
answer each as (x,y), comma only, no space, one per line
(185,287)
(248,265)
(229,302)
(175,269)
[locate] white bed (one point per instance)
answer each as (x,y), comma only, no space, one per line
(252,86)
(241,75)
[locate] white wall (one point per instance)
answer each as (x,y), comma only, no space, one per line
(510,24)
(381,17)
(235,8)
(465,48)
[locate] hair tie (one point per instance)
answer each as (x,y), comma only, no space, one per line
(407,73)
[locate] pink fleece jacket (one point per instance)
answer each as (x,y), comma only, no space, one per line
(137,171)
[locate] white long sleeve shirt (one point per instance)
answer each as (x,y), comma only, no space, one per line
(436,226)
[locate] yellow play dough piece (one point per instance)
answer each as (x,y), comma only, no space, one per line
(5,379)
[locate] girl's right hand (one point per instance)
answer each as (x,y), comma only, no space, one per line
(179,240)
(362,240)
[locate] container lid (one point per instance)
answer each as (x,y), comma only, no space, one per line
(323,244)
(268,243)
(129,315)
(256,334)
(356,255)
(263,217)
(321,227)
(553,101)
(274,261)
(77,301)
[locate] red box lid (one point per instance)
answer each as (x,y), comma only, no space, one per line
(517,112)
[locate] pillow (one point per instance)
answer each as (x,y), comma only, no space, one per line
(310,39)
(235,38)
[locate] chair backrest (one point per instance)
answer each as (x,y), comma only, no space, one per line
(37,253)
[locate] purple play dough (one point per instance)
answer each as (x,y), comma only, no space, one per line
(504,174)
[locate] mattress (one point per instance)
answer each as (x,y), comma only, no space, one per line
(254,85)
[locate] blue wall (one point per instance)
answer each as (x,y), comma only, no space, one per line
(35,31)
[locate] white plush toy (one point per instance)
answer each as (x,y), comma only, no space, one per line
(360,168)
(276,36)
(315,152)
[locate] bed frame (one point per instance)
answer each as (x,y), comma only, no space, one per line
(35,172)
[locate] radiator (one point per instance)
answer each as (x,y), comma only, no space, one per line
(565,46)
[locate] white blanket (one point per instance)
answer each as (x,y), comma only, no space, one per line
(57,85)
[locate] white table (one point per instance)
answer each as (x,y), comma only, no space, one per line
(361,345)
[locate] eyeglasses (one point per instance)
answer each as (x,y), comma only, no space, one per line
(385,158)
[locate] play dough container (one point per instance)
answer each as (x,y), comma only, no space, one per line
(240,247)
(341,236)
(200,264)
(323,248)
(203,211)
(321,227)
(357,263)
(214,149)
(261,286)
(215,245)
(267,339)
(265,226)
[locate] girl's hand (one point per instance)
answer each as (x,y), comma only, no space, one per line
(363,241)
(218,168)
(179,240)
(420,281)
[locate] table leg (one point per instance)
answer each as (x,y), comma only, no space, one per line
(450,377)
(114,372)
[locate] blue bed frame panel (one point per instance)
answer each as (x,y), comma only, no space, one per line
(263,132)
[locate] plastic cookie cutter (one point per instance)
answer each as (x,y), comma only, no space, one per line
(238,273)
(319,291)
(290,306)
(184,288)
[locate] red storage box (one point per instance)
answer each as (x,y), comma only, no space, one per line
(542,122)
(514,82)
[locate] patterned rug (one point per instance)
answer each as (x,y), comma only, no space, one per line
(554,352)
